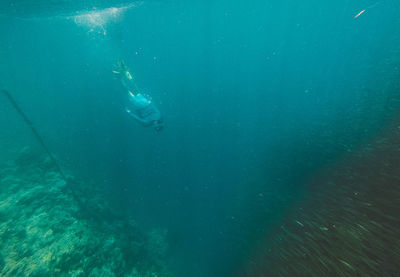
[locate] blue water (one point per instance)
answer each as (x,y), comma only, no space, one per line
(256,96)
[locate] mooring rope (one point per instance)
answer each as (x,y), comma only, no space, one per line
(40,140)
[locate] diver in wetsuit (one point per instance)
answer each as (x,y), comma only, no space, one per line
(140,108)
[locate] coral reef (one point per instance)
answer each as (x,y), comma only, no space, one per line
(45,231)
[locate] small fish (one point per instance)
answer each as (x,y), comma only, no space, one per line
(347,264)
(360,13)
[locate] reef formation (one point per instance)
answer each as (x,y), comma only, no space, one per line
(46,231)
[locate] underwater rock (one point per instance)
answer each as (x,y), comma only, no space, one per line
(45,232)
(28,156)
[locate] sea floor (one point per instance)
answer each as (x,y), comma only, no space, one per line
(50,227)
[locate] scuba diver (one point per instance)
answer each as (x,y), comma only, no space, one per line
(141,107)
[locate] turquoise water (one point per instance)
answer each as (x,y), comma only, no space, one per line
(258,98)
